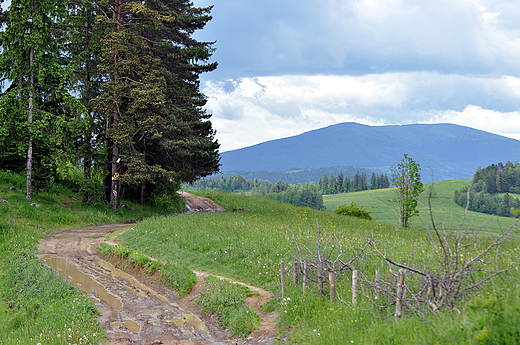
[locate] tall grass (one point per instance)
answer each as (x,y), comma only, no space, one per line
(250,245)
(228,301)
(37,305)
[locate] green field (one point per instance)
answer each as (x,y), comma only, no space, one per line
(442,202)
(249,246)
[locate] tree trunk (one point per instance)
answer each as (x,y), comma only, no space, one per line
(113,189)
(88,141)
(116,14)
(30,121)
(86,173)
(143,194)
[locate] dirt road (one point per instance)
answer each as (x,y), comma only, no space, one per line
(134,311)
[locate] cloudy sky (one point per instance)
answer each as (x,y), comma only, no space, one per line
(287,67)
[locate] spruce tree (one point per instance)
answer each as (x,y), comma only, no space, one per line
(373,181)
(30,62)
(157,129)
(83,48)
(340,182)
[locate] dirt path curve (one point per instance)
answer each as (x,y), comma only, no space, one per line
(133,311)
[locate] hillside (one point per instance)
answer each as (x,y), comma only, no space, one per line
(295,176)
(452,151)
(442,202)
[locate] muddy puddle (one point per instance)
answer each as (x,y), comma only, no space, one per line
(82,281)
(133,313)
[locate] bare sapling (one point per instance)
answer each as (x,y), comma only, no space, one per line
(460,262)
(320,260)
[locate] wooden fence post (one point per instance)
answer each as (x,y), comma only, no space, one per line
(332,286)
(378,282)
(354,286)
(399,298)
(304,278)
(282,277)
(296,268)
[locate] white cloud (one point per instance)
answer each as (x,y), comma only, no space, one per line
(286,67)
(506,124)
(248,111)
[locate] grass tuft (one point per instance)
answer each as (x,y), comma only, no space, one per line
(179,278)
(228,301)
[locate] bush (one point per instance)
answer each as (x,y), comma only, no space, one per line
(354,210)
(164,194)
(13,179)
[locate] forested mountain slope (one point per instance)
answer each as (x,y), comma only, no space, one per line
(452,151)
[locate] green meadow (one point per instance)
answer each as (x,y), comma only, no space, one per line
(443,206)
(249,246)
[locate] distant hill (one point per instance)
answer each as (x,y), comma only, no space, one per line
(452,151)
(295,176)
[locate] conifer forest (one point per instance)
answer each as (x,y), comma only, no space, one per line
(107,88)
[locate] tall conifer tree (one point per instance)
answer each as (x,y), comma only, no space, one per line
(82,47)
(157,128)
(29,61)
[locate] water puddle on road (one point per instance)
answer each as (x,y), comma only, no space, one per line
(81,280)
(116,272)
(197,323)
(132,326)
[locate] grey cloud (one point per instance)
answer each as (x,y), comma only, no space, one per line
(346,37)
(392,98)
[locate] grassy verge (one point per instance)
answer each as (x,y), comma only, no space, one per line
(228,301)
(178,277)
(250,245)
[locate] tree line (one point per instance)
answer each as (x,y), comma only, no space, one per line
(345,184)
(303,195)
(111,86)
(326,185)
(296,175)
(487,187)
(308,194)
(498,178)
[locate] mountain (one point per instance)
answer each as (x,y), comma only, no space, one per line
(452,151)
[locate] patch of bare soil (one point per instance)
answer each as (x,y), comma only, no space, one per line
(196,203)
(136,309)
